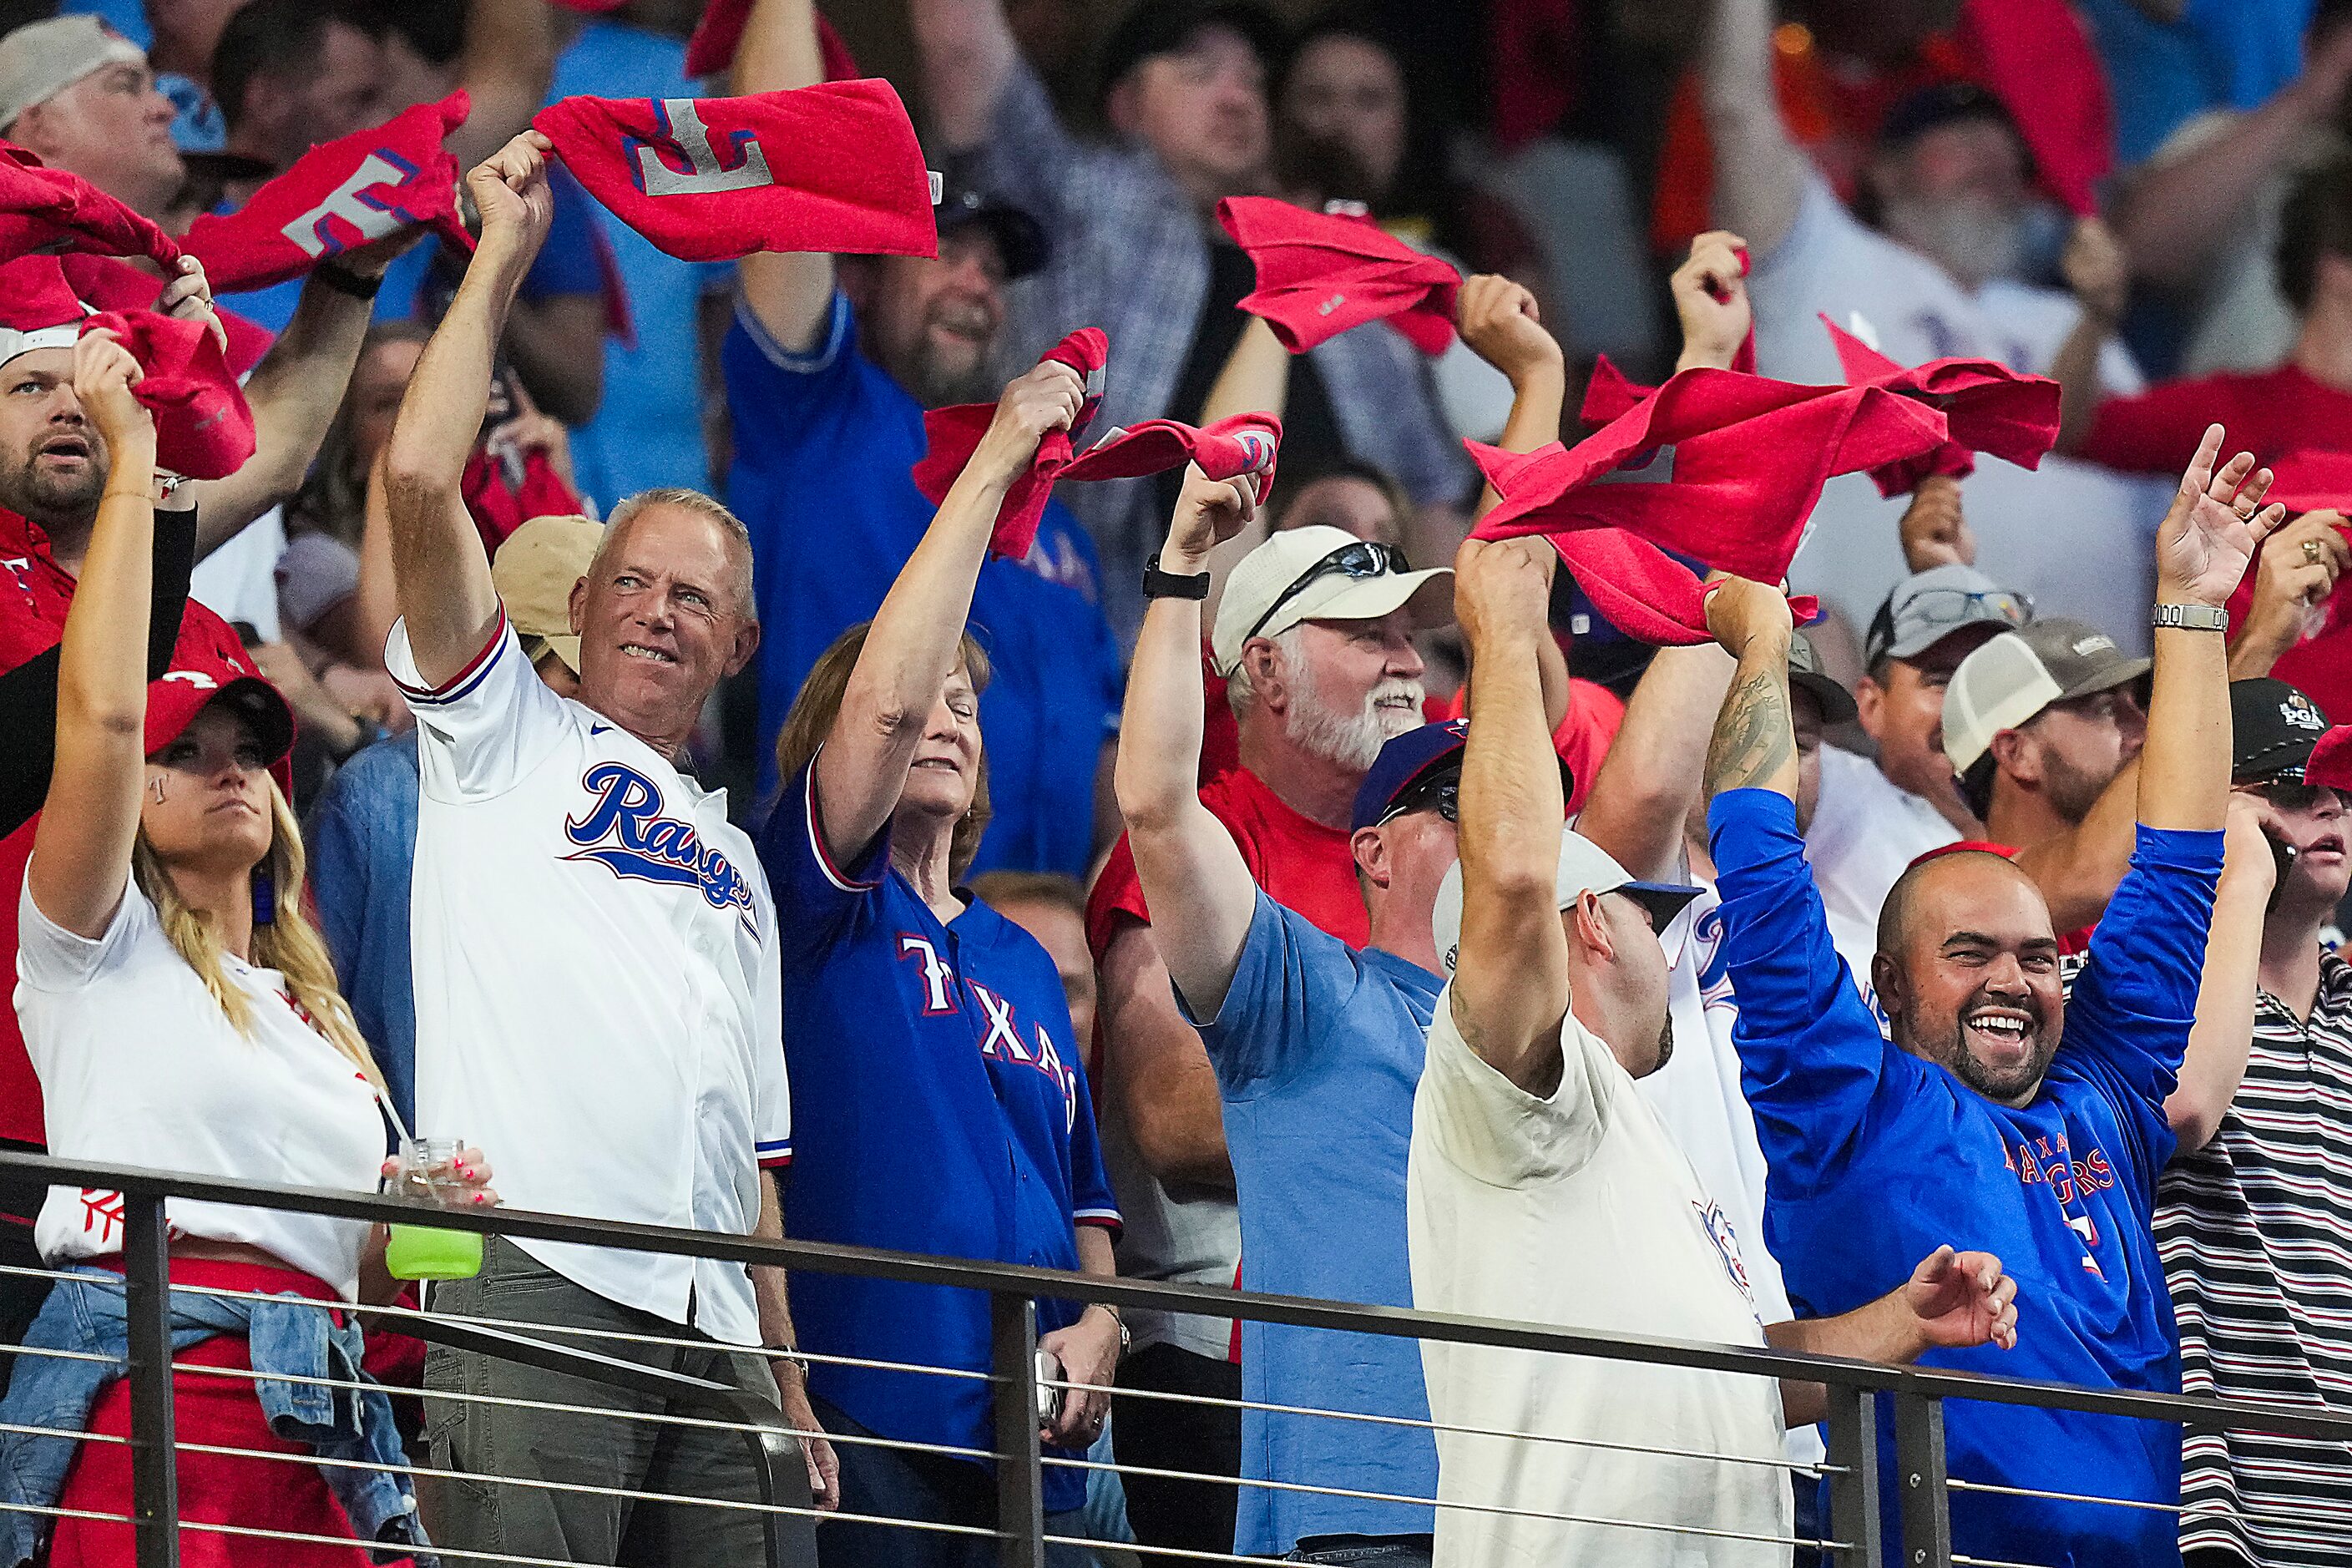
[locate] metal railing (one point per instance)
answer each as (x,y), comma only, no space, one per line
(1853,1534)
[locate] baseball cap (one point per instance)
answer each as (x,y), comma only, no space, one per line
(1805,674)
(533,571)
(2018,674)
(41,59)
(1914,114)
(178,695)
(1168,27)
(1928,606)
(38,307)
(1318,574)
(2273,728)
(1411,760)
(1020,239)
(1584,868)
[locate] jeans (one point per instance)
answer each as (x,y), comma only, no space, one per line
(1368,1551)
(470,1443)
(899,1483)
(292,1338)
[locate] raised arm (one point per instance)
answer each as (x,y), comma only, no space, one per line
(968,57)
(506,70)
(441,579)
(1755,741)
(790,296)
(1198,886)
(2218,1042)
(2099,276)
(1759,172)
(81,850)
(2215,523)
(917,633)
(1255,379)
(1510,987)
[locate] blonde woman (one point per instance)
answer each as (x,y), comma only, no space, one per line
(181,1012)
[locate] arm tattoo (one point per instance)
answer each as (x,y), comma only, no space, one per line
(1753,736)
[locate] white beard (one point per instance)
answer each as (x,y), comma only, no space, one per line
(1974,240)
(1353,741)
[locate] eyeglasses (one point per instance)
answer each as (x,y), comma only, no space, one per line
(1442,795)
(1364,558)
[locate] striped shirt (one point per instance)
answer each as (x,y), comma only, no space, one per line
(2255,1230)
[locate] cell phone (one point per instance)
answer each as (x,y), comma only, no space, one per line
(1049,1399)
(2281,861)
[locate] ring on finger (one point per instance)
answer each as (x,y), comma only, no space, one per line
(2311,552)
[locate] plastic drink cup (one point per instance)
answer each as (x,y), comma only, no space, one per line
(428,1171)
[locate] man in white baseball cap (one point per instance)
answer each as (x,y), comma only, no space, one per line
(80,95)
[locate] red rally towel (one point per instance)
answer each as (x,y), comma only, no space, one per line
(43,208)
(106,284)
(503,493)
(1612,392)
(830,168)
(1717,466)
(203,428)
(2330,765)
(339,194)
(721,31)
(1319,274)
(1642,591)
(1245,444)
(1990,407)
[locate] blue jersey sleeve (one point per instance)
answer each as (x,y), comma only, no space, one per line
(1810,1055)
(1091,1199)
(2135,999)
(816,895)
(1288,974)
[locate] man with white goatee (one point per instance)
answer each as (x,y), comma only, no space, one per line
(1314,635)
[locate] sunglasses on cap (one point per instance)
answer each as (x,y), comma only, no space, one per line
(1948,607)
(1442,795)
(1364,558)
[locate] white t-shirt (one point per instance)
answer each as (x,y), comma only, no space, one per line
(1866,831)
(1698,1098)
(139,1066)
(1580,1211)
(599,1004)
(239,582)
(2075,537)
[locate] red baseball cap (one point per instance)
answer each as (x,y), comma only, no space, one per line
(175,699)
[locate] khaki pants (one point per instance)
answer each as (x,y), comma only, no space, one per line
(471,1442)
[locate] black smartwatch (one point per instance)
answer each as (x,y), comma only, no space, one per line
(1159,584)
(343,280)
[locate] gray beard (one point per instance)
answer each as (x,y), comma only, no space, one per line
(1351,741)
(1973,240)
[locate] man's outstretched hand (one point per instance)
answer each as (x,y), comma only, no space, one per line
(1046,396)
(1710,290)
(2216,524)
(1208,513)
(1739,611)
(1501,590)
(1962,1300)
(1498,319)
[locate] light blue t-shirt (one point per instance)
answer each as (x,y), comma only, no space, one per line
(1319,1048)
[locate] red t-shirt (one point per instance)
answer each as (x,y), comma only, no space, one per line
(2270,414)
(35,593)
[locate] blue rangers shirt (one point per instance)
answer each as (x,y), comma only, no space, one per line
(949,1114)
(823,444)
(1877,1157)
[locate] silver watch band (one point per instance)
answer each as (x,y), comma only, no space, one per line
(2190,617)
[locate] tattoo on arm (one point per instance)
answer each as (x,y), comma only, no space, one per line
(1754,739)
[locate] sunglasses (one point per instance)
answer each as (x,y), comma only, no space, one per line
(1949,607)
(1442,795)
(1364,558)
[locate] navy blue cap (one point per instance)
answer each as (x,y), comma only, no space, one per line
(1411,759)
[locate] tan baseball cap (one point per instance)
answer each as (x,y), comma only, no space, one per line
(41,59)
(1320,573)
(2009,681)
(535,571)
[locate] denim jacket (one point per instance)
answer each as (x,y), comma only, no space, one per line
(289,1336)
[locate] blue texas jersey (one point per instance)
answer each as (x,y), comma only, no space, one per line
(946,1112)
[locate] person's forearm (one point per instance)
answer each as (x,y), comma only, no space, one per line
(1255,378)
(293,393)
(507,67)
(1885,1331)
(1160,732)
(790,294)
(2175,217)
(1650,778)
(1754,744)
(2259,642)
(967,54)
(2184,767)
(1758,169)
(557,348)
(102,654)
(1536,397)
(2075,369)
(2224,1029)
(2077,871)
(916,637)
(769,1286)
(1514,836)
(441,412)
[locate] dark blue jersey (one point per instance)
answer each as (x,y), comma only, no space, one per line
(946,1112)
(1877,1157)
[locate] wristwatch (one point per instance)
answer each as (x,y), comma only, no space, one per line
(1159,584)
(343,280)
(2190,617)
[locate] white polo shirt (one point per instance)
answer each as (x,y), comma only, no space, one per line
(139,1066)
(599,1004)
(1577,1210)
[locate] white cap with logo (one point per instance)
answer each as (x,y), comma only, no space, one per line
(1320,573)
(1584,868)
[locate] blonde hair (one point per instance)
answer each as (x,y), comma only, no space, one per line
(289,944)
(819,703)
(738,534)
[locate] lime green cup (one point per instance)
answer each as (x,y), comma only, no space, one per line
(427,1170)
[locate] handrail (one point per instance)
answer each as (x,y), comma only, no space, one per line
(2197,1413)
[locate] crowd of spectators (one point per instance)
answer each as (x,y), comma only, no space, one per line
(586,719)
